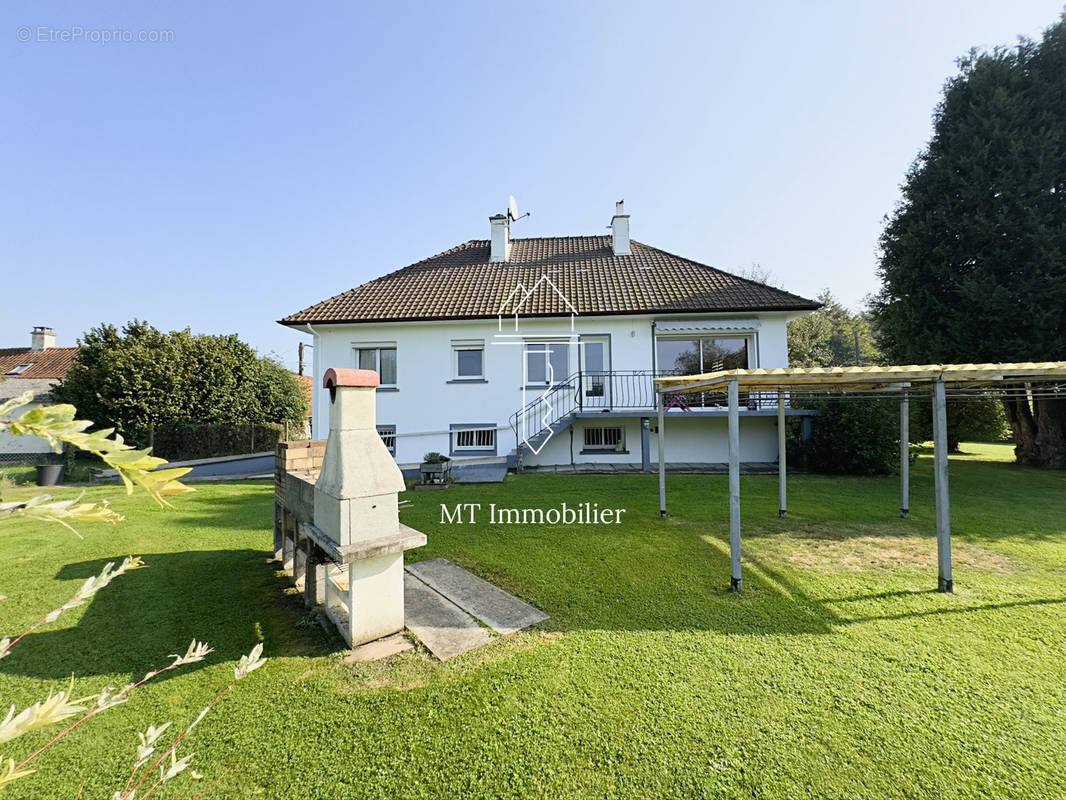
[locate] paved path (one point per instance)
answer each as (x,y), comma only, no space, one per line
(443,603)
(501,611)
(438,623)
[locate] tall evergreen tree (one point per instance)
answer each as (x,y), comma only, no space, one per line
(973,260)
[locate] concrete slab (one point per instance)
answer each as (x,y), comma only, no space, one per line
(439,624)
(685,468)
(500,610)
(382,648)
(479,473)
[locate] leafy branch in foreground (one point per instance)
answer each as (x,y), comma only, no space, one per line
(59,706)
(88,589)
(42,507)
(56,425)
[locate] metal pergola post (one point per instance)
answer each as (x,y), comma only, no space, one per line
(940,469)
(905,454)
(782,488)
(847,380)
(661,440)
(735,582)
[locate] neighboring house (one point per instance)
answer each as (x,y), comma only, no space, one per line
(34,369)
(546,348)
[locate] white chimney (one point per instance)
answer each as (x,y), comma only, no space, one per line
(41,338)
(501,238)
(620,230)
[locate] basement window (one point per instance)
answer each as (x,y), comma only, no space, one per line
(20,368)
(474,440)
(388,437)
(605,439)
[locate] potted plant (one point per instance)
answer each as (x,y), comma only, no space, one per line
(435,468)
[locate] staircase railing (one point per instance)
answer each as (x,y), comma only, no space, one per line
(589,391)
(546,409)
(583,391)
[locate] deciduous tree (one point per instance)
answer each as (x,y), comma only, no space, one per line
(140,376)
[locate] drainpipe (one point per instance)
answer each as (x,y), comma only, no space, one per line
(645,445)
(654,367)
(316,392)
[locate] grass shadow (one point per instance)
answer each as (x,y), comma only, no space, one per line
(228,598)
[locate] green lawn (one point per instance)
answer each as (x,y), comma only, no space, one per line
(837,673)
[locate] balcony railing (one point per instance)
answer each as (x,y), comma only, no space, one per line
(589,391)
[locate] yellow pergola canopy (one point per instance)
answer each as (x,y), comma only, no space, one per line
(843,379)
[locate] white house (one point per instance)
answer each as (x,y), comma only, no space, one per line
(544,349)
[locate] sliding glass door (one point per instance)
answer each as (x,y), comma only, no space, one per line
(700,355)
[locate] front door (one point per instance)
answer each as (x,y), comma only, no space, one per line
(596,371)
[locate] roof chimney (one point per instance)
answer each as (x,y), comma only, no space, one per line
(620,230)
(41,338)
(501,238)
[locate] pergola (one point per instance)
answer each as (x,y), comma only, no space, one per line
(959,380)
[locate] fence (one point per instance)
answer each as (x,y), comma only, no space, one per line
(184,441)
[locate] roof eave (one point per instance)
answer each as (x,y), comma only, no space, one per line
(627,313)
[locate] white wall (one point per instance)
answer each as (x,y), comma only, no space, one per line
(689,438)
(425,404)
(23,444)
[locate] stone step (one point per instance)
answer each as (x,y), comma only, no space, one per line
(500,610)
(444,628)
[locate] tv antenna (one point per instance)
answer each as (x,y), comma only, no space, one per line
(512,210)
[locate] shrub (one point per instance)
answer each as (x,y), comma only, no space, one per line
(853,436)
(980,419)
(140,376)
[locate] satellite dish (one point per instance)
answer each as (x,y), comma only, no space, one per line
(512,209)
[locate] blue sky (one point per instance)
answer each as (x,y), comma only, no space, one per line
(272,155)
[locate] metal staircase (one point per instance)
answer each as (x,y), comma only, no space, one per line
(556,408)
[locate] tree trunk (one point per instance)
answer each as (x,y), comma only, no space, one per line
(1051,431)
(1039,431)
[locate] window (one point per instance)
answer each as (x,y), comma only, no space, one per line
(380,359)
(468,360)
(479,438)
(388,437)
(695,356)
(605,439)
(20,369)
(539,355)
(700,355)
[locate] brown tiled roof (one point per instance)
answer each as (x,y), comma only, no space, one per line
(462,283)
(51,363)
(308,386)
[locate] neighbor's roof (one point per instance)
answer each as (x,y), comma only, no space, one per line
(51,363)
(308,386)
(462,283)
(843,379)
